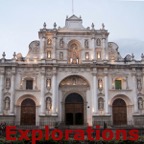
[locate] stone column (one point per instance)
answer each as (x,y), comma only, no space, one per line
(54,93)
(12,99)
(1,92)
(106,91)
(134,81)
(94,95)
(94,48)
(42,97)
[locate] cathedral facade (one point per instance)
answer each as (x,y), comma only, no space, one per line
(72,76)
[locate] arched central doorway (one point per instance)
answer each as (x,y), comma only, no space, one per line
(119,112)
(28,112)
(74,108)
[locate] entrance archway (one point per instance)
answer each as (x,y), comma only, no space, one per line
(74,109)
(28,112)
(119,112)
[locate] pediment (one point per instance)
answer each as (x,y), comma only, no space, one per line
(74,17)
(73,22)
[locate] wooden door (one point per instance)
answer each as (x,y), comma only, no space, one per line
(74,110)
(28,111)
(119,112)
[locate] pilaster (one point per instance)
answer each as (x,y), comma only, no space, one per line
(42,99)
(1,90)
(94,94)
(106,90)
(12,101)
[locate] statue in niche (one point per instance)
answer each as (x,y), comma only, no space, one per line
(8,83)
(48,103)
(140,103)
(100,84)
(86,44)
(98,42)
(48,83)
(61,43)
(7,103)
(139,84)
(61,55)
(74,54)
(101,104)
(49,41)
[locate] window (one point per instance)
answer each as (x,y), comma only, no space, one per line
(118,84)
(29,84)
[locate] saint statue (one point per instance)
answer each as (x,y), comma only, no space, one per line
(61,43)
(86,44)
(101,104)
(74,54)
(8,83)
(48,104)
(140,104)
(7,103)
(139,85)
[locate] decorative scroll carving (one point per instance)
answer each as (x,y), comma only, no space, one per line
(113,52)
(34,50)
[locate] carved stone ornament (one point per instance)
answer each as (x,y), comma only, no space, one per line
(113,52)
(74,80)
(34,50)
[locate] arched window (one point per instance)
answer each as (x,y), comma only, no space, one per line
(118,84)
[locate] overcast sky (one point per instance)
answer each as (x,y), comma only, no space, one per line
(20,21)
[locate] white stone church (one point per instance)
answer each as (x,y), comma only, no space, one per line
(72,76)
